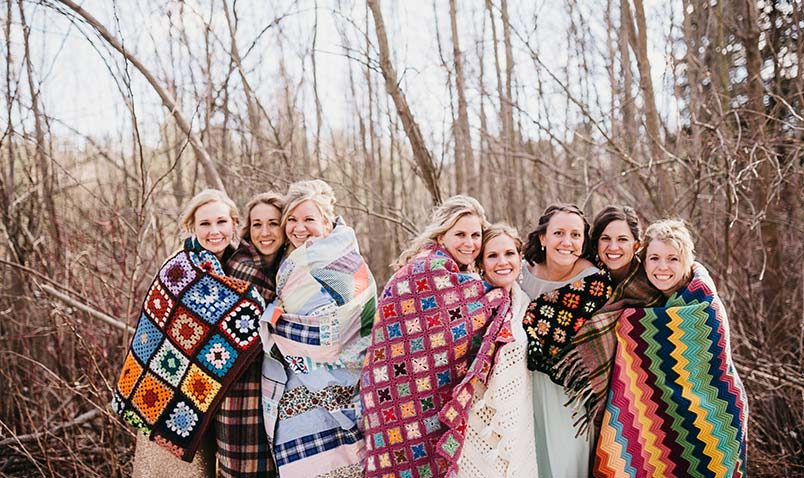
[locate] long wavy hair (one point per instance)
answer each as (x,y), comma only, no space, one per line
(442,219)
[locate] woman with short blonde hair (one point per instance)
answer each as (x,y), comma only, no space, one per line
(673,369)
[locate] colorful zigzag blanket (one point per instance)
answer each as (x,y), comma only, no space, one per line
(676,407)
(421,369)
(197,331)
(319,325)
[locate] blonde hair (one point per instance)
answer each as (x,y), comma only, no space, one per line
(675,233)
(187,217)
(315,190)
(442,219)
(270,198)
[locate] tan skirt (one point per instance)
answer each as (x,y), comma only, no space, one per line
(153,461)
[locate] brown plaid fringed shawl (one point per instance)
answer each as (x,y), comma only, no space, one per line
(243,447)
(587,366)
(248,264)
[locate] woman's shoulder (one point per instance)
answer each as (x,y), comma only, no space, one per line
(585,265)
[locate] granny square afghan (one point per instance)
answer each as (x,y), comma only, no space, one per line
(197,331)
(553,319)
(420,371)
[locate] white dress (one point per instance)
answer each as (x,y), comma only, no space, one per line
(558,452)
(498,442)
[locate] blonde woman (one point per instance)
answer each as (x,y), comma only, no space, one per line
(315,336)
(196,334)
(676,406)
(422,363)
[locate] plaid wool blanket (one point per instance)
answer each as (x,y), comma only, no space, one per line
(197,331)
(249,265)
(319,325)
(420,371)
(676,407)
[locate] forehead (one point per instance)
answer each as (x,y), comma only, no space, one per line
(263,210)
(306,208)
(470,222)
(618,227)
(565,220)
(665,248)
(212,210)
(502,242)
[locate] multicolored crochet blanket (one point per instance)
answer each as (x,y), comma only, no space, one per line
(553,319)
(197,332)
(320,325)
(676,407)
(420,371)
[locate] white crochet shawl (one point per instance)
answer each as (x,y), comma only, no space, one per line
(500,437)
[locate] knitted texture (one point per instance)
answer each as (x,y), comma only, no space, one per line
(196,333)
(320,323)
(500,440)
(553,319)
(676,407)
(420,374)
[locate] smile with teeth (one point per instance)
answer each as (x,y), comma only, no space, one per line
(663,277)
(613,256)
(504,272)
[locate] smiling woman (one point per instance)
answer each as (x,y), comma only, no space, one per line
(314,337)
(243,447)
(558,272)
(196,335)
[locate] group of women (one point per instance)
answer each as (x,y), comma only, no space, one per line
(586,351)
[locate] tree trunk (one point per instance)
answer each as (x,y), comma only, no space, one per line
(424,160)
(638,38)
(464,160)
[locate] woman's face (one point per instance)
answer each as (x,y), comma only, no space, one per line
(501,261)
(306,221)
(617,246)
(265,229)
(663,266)
(213,227)
(563,240)
(462,240)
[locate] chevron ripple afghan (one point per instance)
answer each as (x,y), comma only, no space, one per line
(326,300)
(197,331)
(420,371)
(676,407)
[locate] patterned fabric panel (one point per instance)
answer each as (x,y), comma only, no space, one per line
(553,319)
(325,296)
(676,407)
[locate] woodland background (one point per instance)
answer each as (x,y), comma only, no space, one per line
(114,113)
